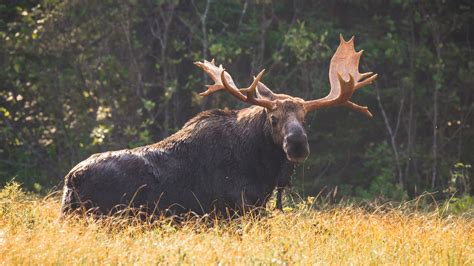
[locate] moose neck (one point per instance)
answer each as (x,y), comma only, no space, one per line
(256,135)
(269,165)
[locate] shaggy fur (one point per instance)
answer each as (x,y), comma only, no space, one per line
(219,161)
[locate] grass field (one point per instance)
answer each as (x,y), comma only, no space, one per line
(31,233)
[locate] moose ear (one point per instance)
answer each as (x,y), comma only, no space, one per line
(264,92)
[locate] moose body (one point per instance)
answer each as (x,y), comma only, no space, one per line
(220,161)
(209,165)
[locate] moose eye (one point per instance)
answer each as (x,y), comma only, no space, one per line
(274,120)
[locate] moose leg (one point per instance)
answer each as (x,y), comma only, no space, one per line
(283,181)
(279,205)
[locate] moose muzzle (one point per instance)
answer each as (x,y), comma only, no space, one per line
(295,143)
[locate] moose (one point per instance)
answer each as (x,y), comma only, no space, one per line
(220,161)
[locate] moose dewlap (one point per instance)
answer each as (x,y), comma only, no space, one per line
(220,161)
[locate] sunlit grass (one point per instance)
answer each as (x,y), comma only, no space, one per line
(31,233)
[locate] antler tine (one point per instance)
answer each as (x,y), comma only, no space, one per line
(250,91)
(366,81)
(345,62)
(364,75)
(362,109)
(232,89)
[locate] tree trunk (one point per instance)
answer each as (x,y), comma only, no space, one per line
(392,134)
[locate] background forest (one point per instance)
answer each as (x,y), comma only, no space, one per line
(81,76)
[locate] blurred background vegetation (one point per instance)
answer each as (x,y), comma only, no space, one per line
(84,76)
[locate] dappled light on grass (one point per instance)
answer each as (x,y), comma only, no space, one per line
(32,233)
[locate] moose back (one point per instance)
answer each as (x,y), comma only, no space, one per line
(220,161)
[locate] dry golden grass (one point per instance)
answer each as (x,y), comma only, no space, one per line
(31,233)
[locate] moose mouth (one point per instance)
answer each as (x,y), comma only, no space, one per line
(296,153)
(297,160)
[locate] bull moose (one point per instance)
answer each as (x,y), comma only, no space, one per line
(221,160)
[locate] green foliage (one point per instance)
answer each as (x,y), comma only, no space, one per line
(379,161)
(460,181)
(302,42)
(461,205)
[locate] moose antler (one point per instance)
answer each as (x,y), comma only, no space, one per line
(345,62)
(223,80)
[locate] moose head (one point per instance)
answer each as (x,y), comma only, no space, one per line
(285,113)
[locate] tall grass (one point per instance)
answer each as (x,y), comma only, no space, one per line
(31,233)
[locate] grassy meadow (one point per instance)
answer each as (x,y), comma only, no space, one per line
(31,233)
